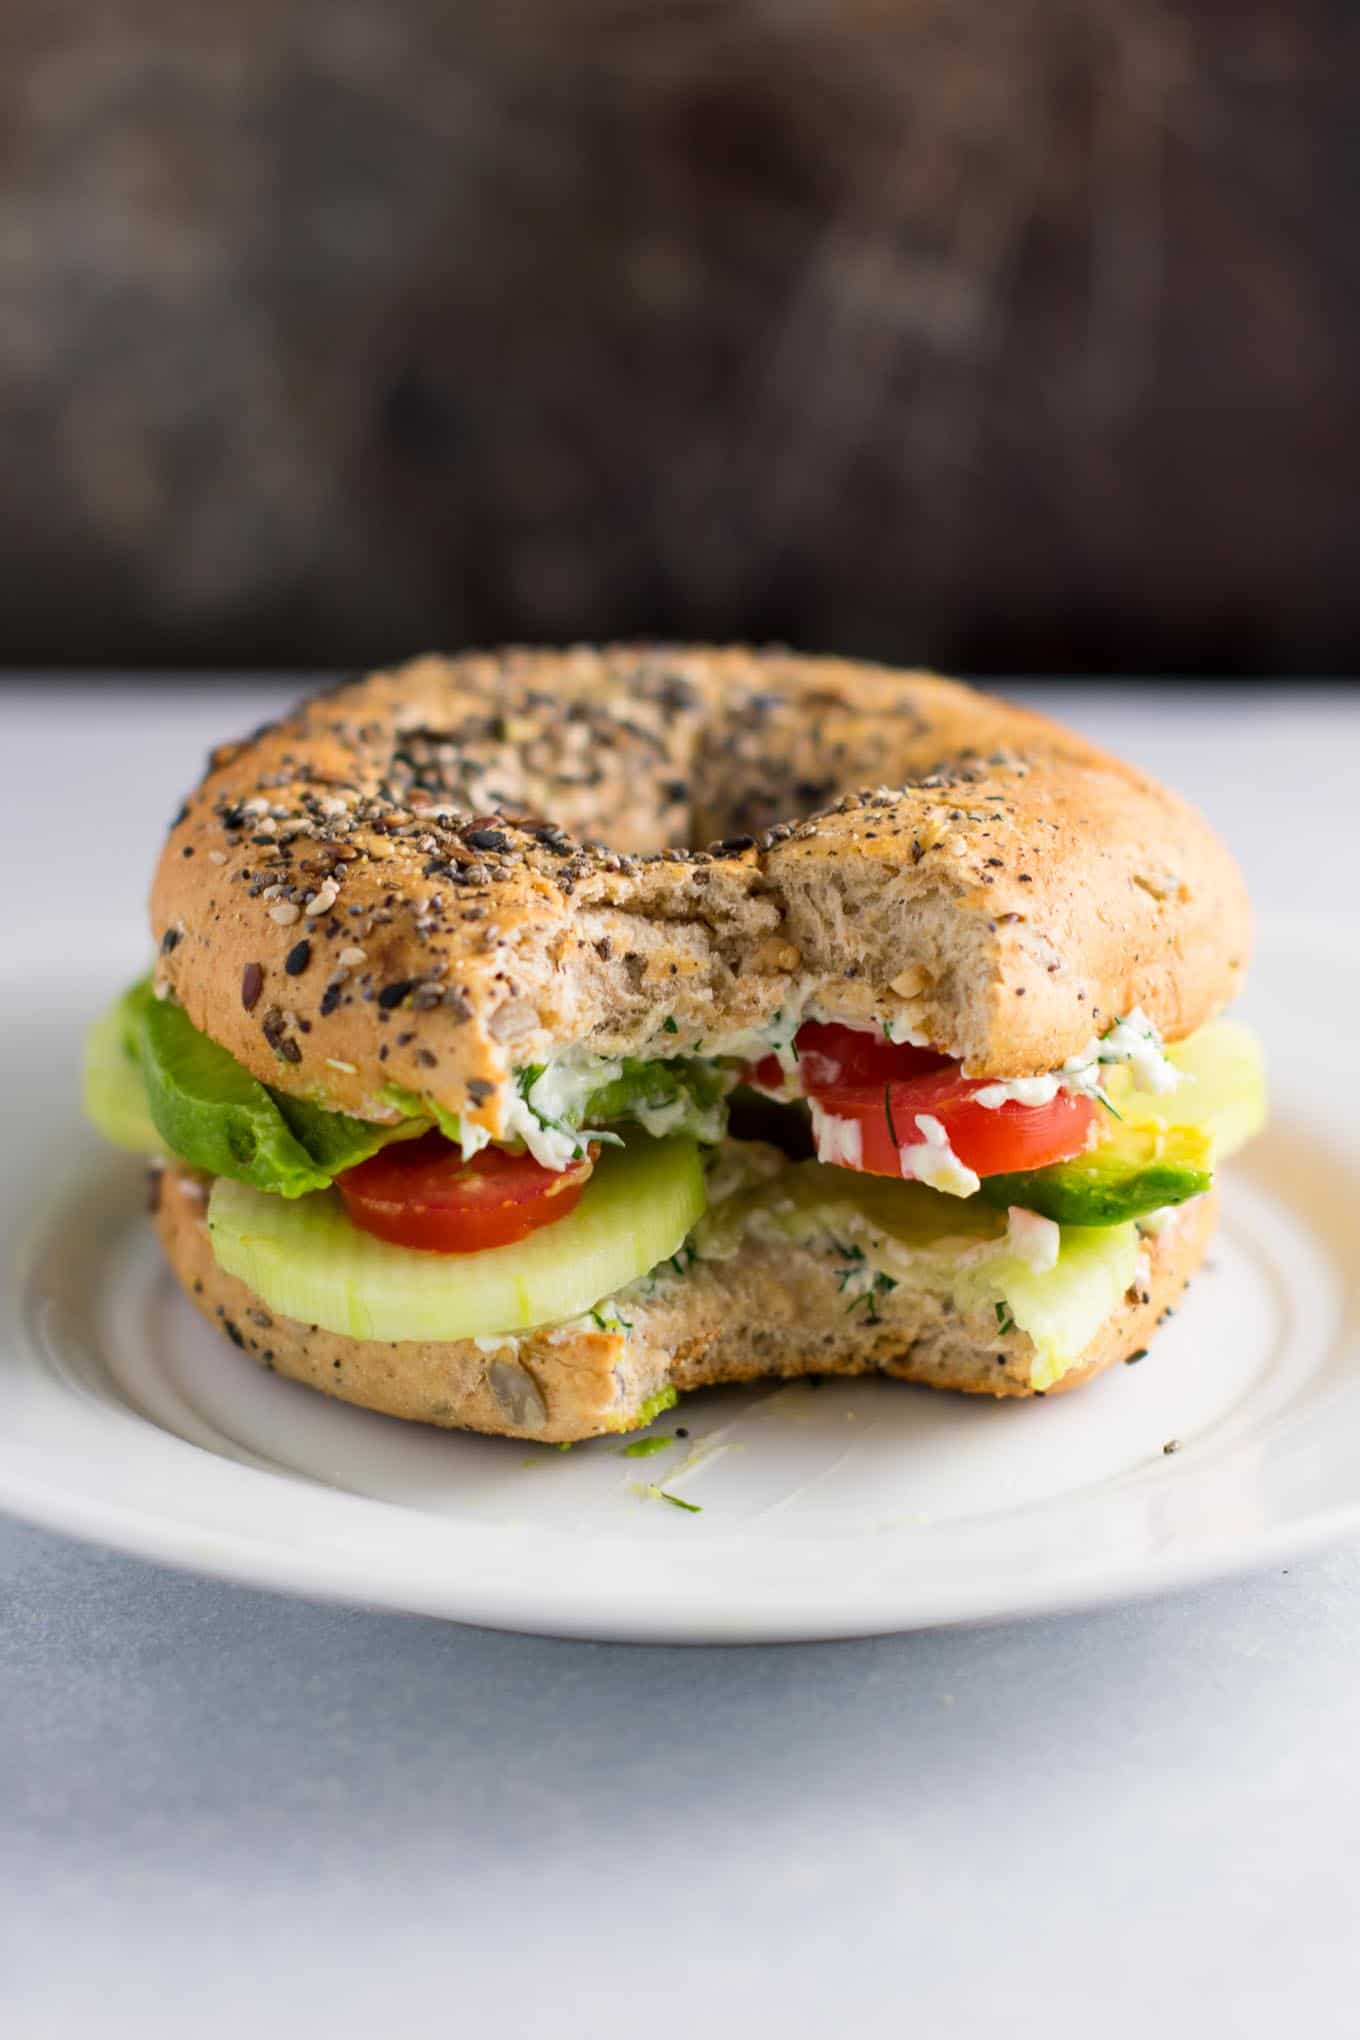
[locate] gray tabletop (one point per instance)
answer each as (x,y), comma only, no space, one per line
(222,1811)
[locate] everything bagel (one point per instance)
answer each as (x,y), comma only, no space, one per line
(533,1035)
(438,875)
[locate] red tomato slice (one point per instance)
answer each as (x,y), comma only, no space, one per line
(830,1054)
(423,1194)
(882,1086)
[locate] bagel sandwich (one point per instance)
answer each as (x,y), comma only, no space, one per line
(533,1036)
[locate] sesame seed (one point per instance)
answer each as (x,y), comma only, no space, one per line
(217,857)
(298,958)
(284,912)
(352,956)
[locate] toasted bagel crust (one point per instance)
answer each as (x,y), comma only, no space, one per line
(767,1313)
(405,883)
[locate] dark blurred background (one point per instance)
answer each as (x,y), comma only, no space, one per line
(1007,334)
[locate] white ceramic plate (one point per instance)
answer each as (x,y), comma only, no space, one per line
(835,1511)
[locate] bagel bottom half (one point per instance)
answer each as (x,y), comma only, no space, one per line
(774,1313)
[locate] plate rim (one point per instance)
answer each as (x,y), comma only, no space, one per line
(238,1559)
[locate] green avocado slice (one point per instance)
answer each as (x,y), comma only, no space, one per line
(1134,1170)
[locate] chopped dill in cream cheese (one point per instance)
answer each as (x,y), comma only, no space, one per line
(1133,1041)
(555,1101)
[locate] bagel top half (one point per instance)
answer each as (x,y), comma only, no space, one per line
(436,876)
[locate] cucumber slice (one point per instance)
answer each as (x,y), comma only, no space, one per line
(809,1195)
(1063,1308)
(1225,1091)
(953,1246)
(307,1261)
(113,1091)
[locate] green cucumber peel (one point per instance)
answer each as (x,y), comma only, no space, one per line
(112,1091)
